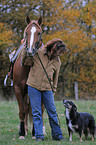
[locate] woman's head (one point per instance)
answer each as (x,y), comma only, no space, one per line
(55,47)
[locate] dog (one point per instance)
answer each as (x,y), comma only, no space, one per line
(78,122)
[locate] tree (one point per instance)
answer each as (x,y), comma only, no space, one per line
(6,42)
(76,27)
(73,21)
(14,13)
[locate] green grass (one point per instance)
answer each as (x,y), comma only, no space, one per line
(9,125)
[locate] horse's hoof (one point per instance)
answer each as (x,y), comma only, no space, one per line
(21,137)
(33,137)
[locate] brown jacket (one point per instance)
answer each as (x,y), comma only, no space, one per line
(37,77)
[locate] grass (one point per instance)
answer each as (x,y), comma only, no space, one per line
(9,125)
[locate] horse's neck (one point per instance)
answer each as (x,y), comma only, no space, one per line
(17,53)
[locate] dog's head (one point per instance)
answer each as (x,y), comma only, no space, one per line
(69,105)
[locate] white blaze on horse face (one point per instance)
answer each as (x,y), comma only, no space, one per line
(33,30)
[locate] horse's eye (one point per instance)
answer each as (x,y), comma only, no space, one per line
(39,33)
(26,33)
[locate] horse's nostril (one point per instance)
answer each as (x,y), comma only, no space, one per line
(33,52)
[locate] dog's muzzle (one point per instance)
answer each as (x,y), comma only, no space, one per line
(65,103)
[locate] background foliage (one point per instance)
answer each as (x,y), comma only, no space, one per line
(74,21)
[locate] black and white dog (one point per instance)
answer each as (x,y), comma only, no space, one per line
(78,122)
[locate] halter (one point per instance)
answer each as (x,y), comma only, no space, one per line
(37,45)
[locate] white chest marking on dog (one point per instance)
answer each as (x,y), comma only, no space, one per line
(68,117)
(71,126)
(33,30)
(67,114)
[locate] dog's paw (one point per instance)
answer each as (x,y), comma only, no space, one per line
(80,139)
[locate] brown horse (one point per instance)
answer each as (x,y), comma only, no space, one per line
(32,42)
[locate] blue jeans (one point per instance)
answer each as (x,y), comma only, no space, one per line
(48,99)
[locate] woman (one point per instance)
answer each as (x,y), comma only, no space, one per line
(39,87)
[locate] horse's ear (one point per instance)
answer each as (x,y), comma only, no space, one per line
(28,20)
(40,20)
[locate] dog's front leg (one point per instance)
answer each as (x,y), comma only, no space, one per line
(80,134)
(70,136)
(92,138)
(81,138)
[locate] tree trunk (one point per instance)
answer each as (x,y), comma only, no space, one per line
(76,90)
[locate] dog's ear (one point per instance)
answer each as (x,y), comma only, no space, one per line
(74,106)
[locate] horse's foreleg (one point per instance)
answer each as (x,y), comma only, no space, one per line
(26,106)
(20,100)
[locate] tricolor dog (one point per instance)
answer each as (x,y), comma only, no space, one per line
(78,122)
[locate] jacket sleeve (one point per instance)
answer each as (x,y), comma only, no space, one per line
(26,59)
(55,76)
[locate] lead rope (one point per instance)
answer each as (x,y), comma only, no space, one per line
(48,80)
(45,72)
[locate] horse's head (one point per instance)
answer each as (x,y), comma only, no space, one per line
(33,35)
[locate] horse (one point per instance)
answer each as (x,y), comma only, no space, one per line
(32,42)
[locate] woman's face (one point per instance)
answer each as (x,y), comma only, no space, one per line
(54,54)
(59,52)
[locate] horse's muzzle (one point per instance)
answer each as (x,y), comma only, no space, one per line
(31,52)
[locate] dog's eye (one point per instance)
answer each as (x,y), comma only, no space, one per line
(75,108)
